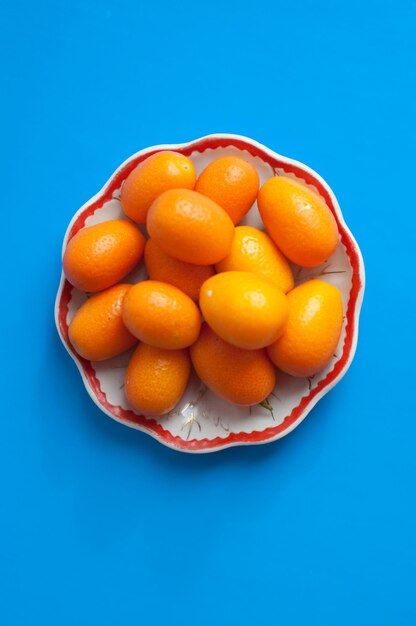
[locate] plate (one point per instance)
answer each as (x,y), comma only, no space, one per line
(202,422)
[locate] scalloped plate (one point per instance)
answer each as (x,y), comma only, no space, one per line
(202,422)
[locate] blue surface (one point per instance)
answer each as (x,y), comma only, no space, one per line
(102,525)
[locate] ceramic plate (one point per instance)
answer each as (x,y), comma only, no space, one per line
(202,422)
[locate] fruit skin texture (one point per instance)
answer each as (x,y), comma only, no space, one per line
(243,308)
(185,276)
(298,220)
(97,331)
(159,172)
(161,315)
(156,379)
(312,331)
(250,375)
(190,227)
(232,182)
(99,256)
(252,250)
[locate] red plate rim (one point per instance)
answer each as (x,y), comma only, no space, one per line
(298,413)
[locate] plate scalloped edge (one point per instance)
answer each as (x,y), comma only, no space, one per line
(307,402)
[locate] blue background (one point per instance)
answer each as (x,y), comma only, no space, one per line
(102,525)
